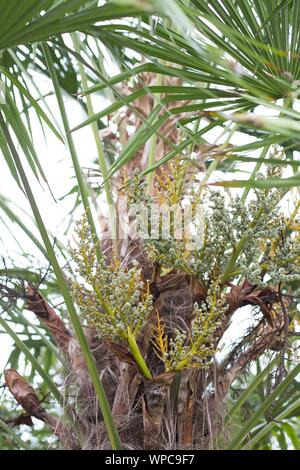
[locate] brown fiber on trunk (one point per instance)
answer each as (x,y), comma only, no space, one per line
(185,409)
(154,401)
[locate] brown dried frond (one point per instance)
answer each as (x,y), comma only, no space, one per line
(23,393)
(26,396)
(37,304)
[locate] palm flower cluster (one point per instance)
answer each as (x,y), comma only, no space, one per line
(239,239)
(111,297)
(197,349)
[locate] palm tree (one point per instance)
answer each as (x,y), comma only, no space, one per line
(144,352)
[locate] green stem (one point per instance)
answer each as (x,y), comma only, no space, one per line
(135,351)
(64,288)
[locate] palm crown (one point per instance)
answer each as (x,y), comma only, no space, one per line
(137,339)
